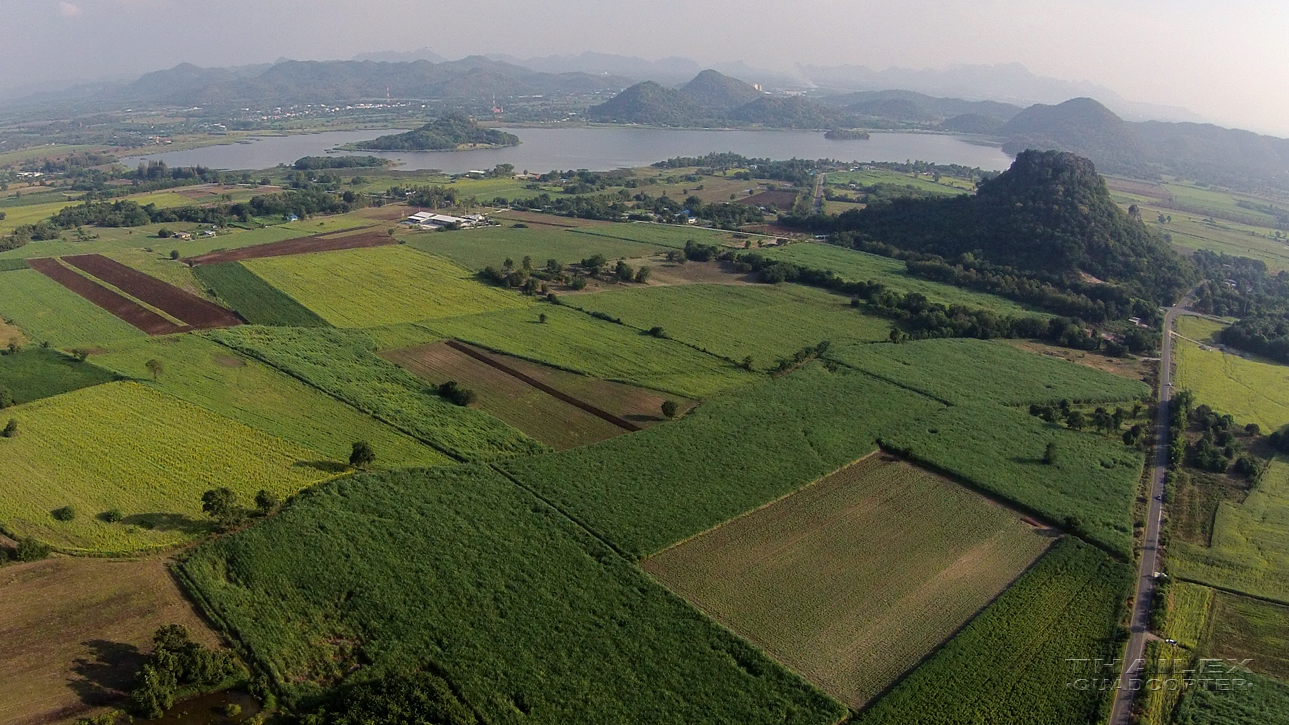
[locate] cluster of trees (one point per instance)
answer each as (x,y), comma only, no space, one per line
(178,663)
(1217,448)
(312,163)
(879,193)
(799,358)
(1265,335)
(221,505)
(1242,287)
(127,213)
(457,394)
(794,171)
(1100,419)
(419,697)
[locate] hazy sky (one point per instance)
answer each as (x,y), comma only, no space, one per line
(1227,60)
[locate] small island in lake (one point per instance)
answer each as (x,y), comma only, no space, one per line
(455,132)
(847,134)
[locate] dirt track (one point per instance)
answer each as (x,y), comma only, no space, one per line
(126,309)
(320,243)
(181,305)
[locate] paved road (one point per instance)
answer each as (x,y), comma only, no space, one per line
(1129,683)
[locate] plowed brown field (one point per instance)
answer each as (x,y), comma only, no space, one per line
(124,308)
(320,243)
(181,305)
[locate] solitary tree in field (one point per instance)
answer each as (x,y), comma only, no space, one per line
(266,502)
(1075,420)
(11,429)
(542,318)
(221,505)
(642,275)
(1049,455)
(362,455)
(155,368)
(669,408)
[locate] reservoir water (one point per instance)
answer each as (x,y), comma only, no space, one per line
(602,149)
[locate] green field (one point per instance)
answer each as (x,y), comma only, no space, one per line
(1244,628)
(856,266)
(213,377)
(1251,391)
(1254,701)
(123,446)
(37,373)
(1250,551)
(662,235)
(491,246)
(825,579)
(766,323)
(458,571)
(964,371)
(648,490)
(1188,613)
(1010,664)
(948,186)
(258,302)
(381,286)
(1093,481)
(48,312)
(343,364)
(575,341)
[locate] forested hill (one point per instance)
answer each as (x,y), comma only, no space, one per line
(713,99)
(1203,152)
(448,133)
(1050,213)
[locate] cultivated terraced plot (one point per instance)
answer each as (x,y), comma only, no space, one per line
(213,377)
(37,373)
(960,371)
(123,446)
(381,286)
(458,570)
(548,419)
(575,341)
(258,302)
(48,312)
(766,323)
(851,581)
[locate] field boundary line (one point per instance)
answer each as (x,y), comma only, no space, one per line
(1233,592)
(557,508)
(543,387)
(136,300)
(767,504)
(132,313)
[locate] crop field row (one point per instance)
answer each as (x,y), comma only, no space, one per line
(215,378)
(856,266)
(765,323)
(663,235)
(542,416)
(1251,391)
(963,371)
(124,447)
(1090,487)
(1250,542)
(575,341)
(258,302)
(1011,664)
(459,571)
(1262,700)
(116,304)
(381,286)
(38,373)
(191,310)
(648,490)
(826,579)
(342,363)
(328,242)
(48,312)
(492,246)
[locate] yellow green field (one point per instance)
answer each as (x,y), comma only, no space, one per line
(1250,551)
(1188,607)
(381,286)
(124,446)
(210,375)
(828,579)
(1251,391)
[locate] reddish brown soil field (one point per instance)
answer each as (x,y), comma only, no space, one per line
(550,220)
(320,243)
(128,310)
(181,305)
(783,200)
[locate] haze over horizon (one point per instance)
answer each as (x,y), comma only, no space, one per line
(1216,62)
